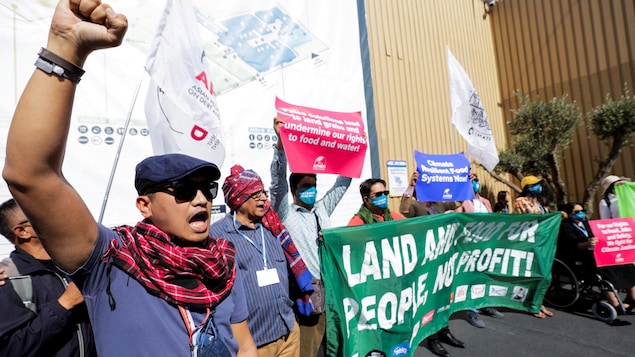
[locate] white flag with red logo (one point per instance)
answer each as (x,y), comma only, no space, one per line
(181,107)
(469,117)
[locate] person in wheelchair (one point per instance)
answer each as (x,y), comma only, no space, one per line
(575,248)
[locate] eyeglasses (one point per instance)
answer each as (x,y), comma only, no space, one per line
(187,190)
(259,195)
(379,194)
(578,211)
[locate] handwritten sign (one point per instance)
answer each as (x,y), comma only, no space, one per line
(320,141)
(616,242)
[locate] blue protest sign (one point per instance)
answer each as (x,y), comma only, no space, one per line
(443,177)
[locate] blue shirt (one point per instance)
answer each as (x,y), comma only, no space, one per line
(300,222)
(142,324)
(270,308)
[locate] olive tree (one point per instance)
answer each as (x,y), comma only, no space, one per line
(541,131)
(614,123)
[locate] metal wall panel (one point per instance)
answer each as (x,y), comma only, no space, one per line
(407,40)
(580,47)
(542,48)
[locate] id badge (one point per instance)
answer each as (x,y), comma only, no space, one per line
(267,277)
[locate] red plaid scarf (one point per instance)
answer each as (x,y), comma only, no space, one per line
(191,276)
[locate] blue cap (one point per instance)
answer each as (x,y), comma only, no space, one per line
(170,167)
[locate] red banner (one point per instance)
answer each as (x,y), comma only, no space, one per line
(322,142)
(616,244)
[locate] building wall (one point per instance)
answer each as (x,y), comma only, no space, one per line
(541,48)
(579,47)
(408,40)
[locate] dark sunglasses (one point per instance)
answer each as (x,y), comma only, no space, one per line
(187,190)
(578,211)
(380,193)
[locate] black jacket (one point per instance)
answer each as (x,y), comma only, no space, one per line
(54,331)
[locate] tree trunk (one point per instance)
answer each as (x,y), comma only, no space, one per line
(556,177)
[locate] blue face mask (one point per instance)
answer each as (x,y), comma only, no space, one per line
(476,186)
(535,189)
(578,217)
(308,196)
(380,202)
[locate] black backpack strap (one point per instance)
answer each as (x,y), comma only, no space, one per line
(22,284)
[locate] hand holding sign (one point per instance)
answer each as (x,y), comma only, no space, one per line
(276,127)
(615,241)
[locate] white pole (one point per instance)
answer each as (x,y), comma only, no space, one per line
(114,165)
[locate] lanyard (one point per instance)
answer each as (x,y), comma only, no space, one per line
(582,229)
(262,236)
(189,321)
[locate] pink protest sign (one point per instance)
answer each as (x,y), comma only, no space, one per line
(322,142)
(616,244)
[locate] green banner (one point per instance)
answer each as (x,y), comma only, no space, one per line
(626,199)
(390,285)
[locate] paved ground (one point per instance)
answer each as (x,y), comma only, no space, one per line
(520,334)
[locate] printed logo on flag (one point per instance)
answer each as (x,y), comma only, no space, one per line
(477,291)
(519,293)
(497,290)
(400,350)
(427,318)
(447,195)
(375,353)
(461,293)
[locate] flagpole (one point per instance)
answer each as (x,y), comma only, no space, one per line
(447,50)
(284,96)
(118,154)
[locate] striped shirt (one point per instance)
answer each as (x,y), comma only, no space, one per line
(300,222)
(271,313)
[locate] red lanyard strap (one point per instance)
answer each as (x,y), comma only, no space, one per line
(189,322)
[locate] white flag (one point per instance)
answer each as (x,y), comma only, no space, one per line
(468,116)
(181,107)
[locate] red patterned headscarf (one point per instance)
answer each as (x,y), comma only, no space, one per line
(189,276)
(239,185)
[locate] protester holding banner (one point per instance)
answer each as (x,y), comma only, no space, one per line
(479,204)
(165,276)
(410,207)
(609,207)
(575,247)
(259,235)
(530,201)
(304,218)
(374,208)
(502,202)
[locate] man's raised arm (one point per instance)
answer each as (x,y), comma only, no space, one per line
(38,133)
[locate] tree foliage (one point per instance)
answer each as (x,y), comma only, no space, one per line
(541,131)
(614,123)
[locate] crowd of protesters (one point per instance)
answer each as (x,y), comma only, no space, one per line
(247,285)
